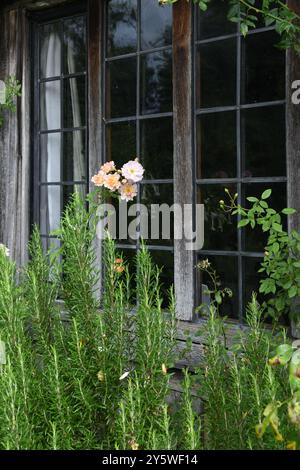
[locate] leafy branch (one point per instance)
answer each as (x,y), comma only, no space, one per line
(12,90)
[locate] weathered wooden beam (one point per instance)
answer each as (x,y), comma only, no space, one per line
(95,22)
(183,171)
(32,4)
(292,130)
(15,137)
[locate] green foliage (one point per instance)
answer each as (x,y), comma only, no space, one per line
(287,356)
(94,376)
(12,91)
(216,293)
(237,384)
(273,12)
(281,263)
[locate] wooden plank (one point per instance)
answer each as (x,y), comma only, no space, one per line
(292,130)
(33,4)
(14,138)
(95,21)
(197,332)
(183,172)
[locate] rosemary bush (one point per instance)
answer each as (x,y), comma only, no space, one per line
(238,383)
(98,379)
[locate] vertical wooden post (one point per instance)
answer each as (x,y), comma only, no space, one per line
(183,168)
(95,21)
(15,137)
(293,130)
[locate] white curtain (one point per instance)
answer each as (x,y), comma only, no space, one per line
(51,110)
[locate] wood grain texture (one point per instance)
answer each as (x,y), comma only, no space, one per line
(292,131)
(183,171)
(15,137)
(95,21)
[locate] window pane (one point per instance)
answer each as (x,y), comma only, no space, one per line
(50,117)
(124,221)
(74,159)
(69,189)
(121,88)
(160,228)
(157,158)
(216,145)
(129,257)
(213,22)
(116,135)
(122,27)
(264,68)
(255,240)
(264,141)
(75,45)
(216,67)
(227,271)
(156,24)
(74,102)
(165,260)
(251,278)
(49,208)
(220,232)
(156,82)
(50,50)
(50,157)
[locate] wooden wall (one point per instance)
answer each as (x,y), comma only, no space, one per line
(15,136)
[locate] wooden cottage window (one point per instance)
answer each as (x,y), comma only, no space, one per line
(202,107)
(60,157)
(239,113)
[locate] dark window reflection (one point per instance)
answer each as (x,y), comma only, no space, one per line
(74,45)
(216,67)
(69,189)
(74,161)
(156,24)
(216,145)
(121,88)
(122,27)
(264,141)
(255,239)
(158,194)
(165,261)
(251,278)
(129,258)
(156,82)
(157,158)
(116,135)
(124,221)
(264,68)
(213,22)
(220,232)
(227,270)
(74,102)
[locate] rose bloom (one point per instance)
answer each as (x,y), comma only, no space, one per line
(99,179)
(108,167)
(112,181)
(133,171)
(128,191)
